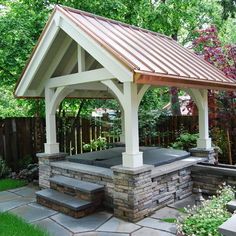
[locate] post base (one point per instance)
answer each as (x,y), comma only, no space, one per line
(132,160)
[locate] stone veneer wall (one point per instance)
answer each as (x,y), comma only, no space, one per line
(93,178)
(165,188)
(45,167)
(208,178)
(171,187)
(132,195)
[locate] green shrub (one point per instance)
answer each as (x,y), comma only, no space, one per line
(98,144)
(185,141)
(4,170)
(204,220)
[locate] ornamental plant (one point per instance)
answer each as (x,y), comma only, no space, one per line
(185,141)
(221,104)
(205,219)
(4,170)
(98,144)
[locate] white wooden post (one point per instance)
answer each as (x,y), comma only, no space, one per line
(200,97)
(204,141)
(51,146)
(132,158)
(122,135)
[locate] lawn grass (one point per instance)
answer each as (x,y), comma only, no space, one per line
(13,225)
(6,184)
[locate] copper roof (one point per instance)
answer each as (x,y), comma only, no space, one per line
(154,58)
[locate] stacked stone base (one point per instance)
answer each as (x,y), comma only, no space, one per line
(171,187)
(107,181)
(66,210)
(45,169)
(96,197)
(132,194)
(209,178)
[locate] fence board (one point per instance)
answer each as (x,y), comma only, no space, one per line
(24,137)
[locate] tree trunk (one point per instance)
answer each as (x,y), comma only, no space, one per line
(174,99)
(174,92)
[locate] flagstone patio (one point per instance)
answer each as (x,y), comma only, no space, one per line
(21,202)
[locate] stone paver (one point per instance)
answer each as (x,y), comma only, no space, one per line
(84,224)
(52,227)
(157,224)
(119,226)
(166,212)
(101,234)
(228,228)
(33,212)
(186,202)
(7,196)
(150,232)
(20,201)
(26,192)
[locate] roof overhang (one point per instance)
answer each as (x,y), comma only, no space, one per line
(142,77)
(129,53)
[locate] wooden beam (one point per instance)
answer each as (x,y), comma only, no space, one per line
(81,59)
(90,94)
(105,58)
(119,94)
(56,60)
(37,57)
(79,78)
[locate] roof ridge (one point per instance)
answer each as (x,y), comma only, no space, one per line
(77,11)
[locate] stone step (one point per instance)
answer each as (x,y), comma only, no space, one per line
(63,203)
(77,188)
(228,228)
(231,206)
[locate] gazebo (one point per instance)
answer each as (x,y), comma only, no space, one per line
(82,55)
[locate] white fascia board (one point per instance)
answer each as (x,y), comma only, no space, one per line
(39,54)
(105,58)
(79,78)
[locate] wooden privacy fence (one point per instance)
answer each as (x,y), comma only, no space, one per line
(22,138)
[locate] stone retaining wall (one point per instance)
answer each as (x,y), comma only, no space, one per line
(208,178)
(171,187)
(93,178)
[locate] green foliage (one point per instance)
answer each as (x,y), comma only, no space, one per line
(14,225)
(185,141)
(204,220)
(169,220)
(219,138)
(24,162)
(98,144)
(22,21)
(4,169)
(6,184)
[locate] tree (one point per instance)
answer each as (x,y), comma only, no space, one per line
(21,22)
(222,104)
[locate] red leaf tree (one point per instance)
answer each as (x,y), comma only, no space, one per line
(221,104)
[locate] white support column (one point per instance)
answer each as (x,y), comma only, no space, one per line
(204,141)
(200,97)
(51,146)
(122,135)
(132,158)
(129,98)
(53,98)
